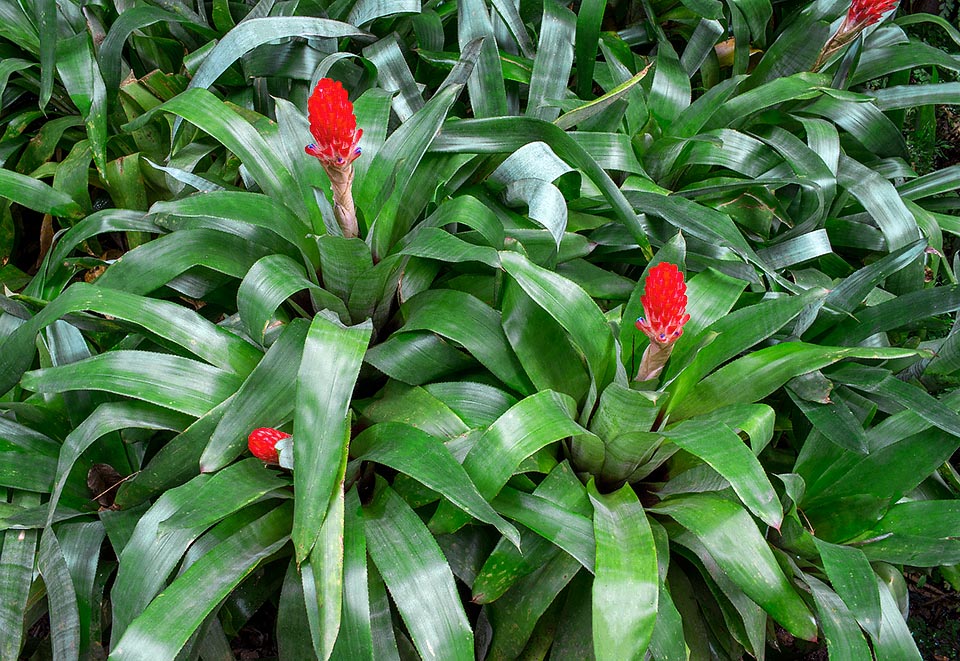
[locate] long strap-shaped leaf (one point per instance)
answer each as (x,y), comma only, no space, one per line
(627,583)
(157,262)
(758,374)
(717,444)
(322,579)
(169,621)
(572,308)
(16,575)
(109,417)
(37,195)
(210,114)
(174,382)
(506,135)
(169,321)
(418,577)
(265,399)
(61,597)
(332,355)
(733,540)
(426,459)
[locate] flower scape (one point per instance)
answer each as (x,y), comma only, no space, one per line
(336,145)
(665,312)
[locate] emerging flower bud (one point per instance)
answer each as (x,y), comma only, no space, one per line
(334,128)
(862,13)
(665,312)
(263,444)
(664,304)
(333,125)
(866,12)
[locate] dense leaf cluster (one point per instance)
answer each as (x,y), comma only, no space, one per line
(475,472)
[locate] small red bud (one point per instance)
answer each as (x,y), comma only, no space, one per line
(263,444)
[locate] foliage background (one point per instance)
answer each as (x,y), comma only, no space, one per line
(475,472)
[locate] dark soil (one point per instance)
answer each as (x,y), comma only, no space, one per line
(934,618)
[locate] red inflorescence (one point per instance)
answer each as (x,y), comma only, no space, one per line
(664,304)
(263,444)
(867,12)
(333,125)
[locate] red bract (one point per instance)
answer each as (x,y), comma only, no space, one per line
(333,125)
(664,304)
(867,12)
(263,444)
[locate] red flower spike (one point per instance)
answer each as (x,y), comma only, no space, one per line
(263,444)
(333,125)
(664,304)
(866,12)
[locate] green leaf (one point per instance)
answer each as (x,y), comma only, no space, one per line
(920,533)
(416,574)
(733,540)
(368,11)
(883,203)
(488,97)
(551,520)
(531,424)
(129,20)
(506,564)
(843,637)
(386,183)
(168,622)
(266,399)
(852,577)
(355,642)
(108,417)
(293,639)
(424,458)
(229,490)
(506,135)
(16,575)
(834,420)
(332,355)
(894,313)
(170,381)
(270,282)
(475,326)
(542,345)
(417,408)
(254,32)
(571,307)
(61,598)
(551,67)
(626,588)
(853,289)
(81,77)
(222,210)
(895,640)
(156,263)
(589,19)
(719,446)
(144,567)
(670,91)
(210,114)
(34,194)
(435,243)
(166,320)
(514,616)
(758,374)
(322,578)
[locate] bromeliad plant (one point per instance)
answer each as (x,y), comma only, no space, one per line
(492,458)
